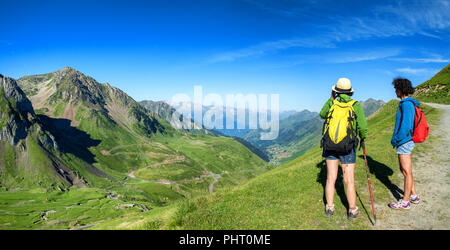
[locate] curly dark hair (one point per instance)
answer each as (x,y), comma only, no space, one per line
(404,85)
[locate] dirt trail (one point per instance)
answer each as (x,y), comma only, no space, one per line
(216,179)
(431,173)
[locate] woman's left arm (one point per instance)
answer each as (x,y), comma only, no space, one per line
(361,122)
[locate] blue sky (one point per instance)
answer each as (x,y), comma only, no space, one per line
(297,49)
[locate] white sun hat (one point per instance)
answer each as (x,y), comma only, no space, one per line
(343,85)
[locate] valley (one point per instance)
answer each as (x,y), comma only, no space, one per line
(82,155)
(90,140)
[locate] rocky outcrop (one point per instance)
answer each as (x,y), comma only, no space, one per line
(16,112)
(18,116)
(161,108)
(12,92)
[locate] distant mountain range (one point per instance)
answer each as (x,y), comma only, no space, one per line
(297,134)
(299,131)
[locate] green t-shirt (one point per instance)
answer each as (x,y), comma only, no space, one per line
(361,122)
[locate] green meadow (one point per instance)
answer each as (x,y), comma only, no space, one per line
(292,195)
(287,197)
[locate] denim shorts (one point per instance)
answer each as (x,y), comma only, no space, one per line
(405,148)
(349,158)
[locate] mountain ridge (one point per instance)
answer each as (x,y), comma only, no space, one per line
(436,89)
(104,135)
(299,132)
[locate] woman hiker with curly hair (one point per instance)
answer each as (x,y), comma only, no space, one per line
(402,140)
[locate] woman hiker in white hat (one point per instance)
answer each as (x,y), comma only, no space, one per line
(341,94)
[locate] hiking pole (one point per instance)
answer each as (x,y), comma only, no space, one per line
(370,188)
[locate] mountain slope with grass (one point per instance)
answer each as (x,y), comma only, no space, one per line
(292,195)
(90,155)
(299,132)
(28,152)
(171,115)
(435,90)
(89,120)
(123,136)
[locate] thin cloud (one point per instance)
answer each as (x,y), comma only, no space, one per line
(422,16)
(427,18)
(386,72)
(332,58)
(421,60)
(360,56)
(420,71)
(267,47)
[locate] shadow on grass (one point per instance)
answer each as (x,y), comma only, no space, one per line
(339,187)
(382,173)
(364,208)
(322,179)
(70,139)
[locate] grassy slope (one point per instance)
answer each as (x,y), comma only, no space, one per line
(120,150)
(437,89)
(121,140)
(291,196)
(76,208)
(288,197)
(298,134)
(26,164)
(294,137)
(17,170)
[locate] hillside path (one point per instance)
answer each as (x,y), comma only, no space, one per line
(431,173)
(216,179)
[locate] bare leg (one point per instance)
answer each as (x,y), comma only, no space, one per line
(349,181)
(406,168)
(332,171)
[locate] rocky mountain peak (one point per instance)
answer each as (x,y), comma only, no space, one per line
(68,72)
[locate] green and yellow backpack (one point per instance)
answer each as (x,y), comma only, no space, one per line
(339,130)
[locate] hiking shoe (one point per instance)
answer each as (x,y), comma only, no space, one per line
(353,214)
(415,199)
(400,204)
(329,211)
